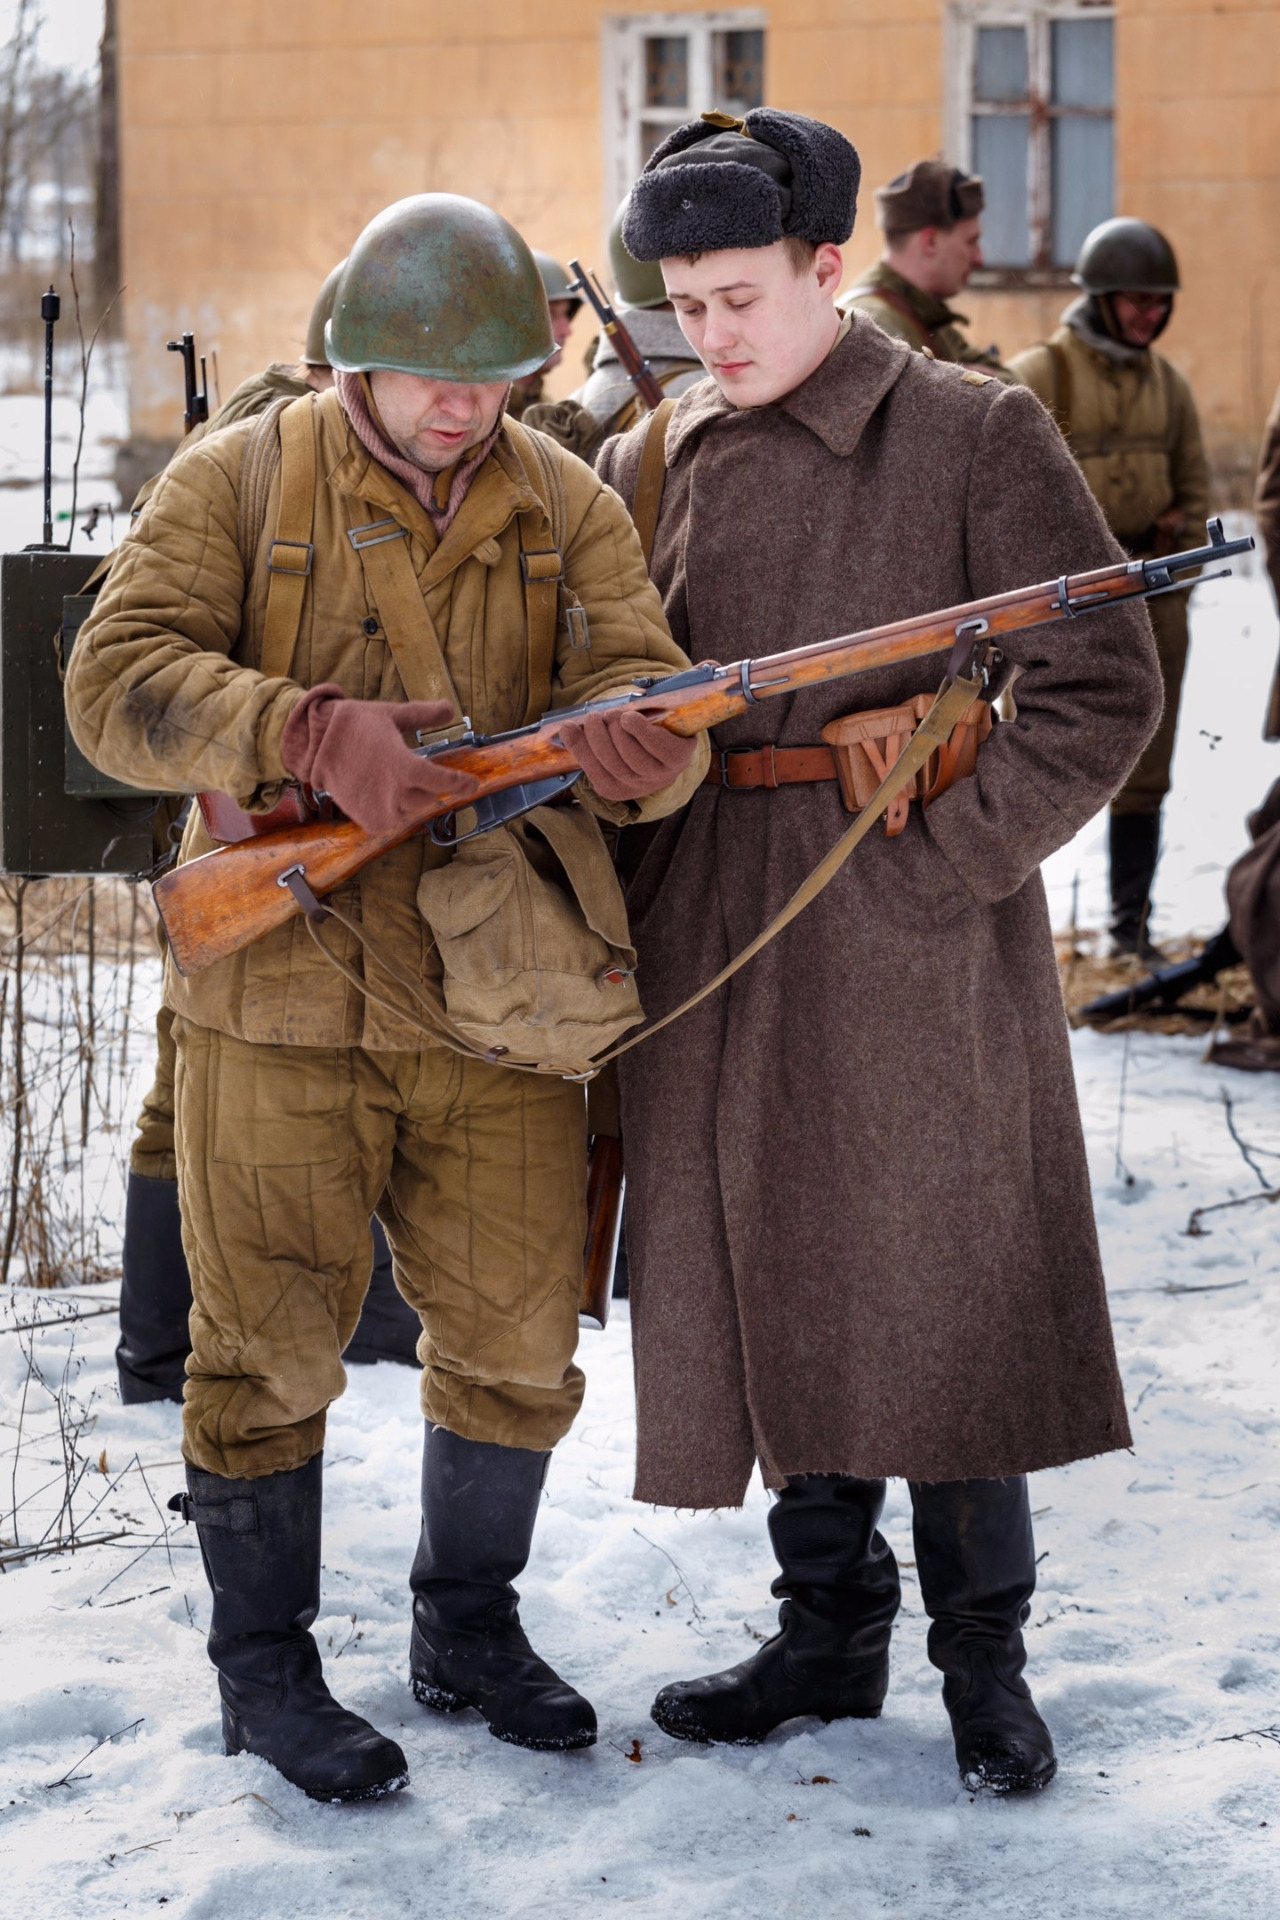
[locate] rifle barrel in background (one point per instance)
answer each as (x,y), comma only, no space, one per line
(1164,988)
(197,395)
(50,310)
(634,364)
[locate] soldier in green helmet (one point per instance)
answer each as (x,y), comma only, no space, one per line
(607,403)
(1129,416)
(431,550)
(562,304)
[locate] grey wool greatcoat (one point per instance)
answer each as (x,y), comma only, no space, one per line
(858,1212)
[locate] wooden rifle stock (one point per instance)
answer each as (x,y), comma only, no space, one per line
(604,1220)
(220,902)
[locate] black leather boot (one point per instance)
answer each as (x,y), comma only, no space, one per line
(468,1649)
(389,1328)
(155,1294)
(976,1559)
(830,1657)
(260,1541)
(1134,841)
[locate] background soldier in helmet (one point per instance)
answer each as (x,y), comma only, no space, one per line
(931,217)
(155,1286)
(562,303)
(1130,419)
(305,1094)
(608,403)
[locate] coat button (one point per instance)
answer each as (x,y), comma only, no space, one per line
(370,625)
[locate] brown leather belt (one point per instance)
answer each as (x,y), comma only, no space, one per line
(769,766)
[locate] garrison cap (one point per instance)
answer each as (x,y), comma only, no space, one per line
(929,194)
(717,183)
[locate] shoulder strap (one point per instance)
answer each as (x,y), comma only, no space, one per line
(541,566)
(901,305)
(290,553)
(652,477)
(1062,387)
(407,626)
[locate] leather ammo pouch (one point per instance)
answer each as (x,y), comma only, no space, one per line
(866,745)
(531,928)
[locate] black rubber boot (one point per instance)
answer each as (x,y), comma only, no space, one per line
(388,1328)
(260,1541)
(976,1559)
(830,1657)
(468,1649)
(155,1294)
(1134,840)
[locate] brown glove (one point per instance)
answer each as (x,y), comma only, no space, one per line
(354,750)
(625,756)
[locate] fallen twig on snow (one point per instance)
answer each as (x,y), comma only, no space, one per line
(71,1774)
(698,1615)
(1196,1232)
(13,1554)
(1250,1733)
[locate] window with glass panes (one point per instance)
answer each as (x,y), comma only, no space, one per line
(1034,114)
(662,69)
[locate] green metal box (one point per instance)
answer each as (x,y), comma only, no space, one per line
(57,814)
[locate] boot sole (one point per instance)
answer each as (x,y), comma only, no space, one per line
(1031,1783)
(336,1796)
(699,1737)
(441,1701)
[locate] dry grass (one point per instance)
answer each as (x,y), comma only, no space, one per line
(1087,972)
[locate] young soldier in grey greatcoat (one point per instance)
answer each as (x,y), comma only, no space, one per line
(858,1209)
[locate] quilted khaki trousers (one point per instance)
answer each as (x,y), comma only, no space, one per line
(478,1175)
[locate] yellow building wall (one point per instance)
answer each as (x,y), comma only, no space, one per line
(259,135)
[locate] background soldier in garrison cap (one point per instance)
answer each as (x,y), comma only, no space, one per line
(307,1096)
(562,304)
(931,217)
(1129,417)
(608,403)
(814,1288)
(155,1286)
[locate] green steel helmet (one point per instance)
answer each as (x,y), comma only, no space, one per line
(313,353)
(440,286)
(1126,256)
(556,281)
(637,283)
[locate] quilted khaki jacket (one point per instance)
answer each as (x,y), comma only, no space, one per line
(164,689)
(1134,429)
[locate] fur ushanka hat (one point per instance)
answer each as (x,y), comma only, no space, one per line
(718,182)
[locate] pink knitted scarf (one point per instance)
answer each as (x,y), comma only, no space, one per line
(357,403)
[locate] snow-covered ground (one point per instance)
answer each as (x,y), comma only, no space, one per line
(1154,1641)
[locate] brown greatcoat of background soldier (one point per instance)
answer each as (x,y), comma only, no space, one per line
(860,1226)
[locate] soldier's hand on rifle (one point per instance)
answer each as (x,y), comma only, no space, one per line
(625,756)
(355,751)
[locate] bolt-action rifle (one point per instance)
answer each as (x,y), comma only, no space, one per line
(1163,989)
(221,902)
(633,362)
(197,396)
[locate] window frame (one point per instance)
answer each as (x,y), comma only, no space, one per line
(622,49)
(962,21)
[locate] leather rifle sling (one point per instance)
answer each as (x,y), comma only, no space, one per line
(652,477)
(290,553)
